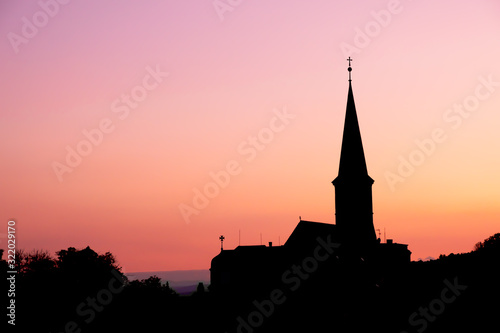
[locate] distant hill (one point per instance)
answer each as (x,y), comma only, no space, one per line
(183,282)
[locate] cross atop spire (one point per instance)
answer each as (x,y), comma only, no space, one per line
(349,68)
(221,241)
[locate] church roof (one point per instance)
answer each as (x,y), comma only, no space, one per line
(306,232)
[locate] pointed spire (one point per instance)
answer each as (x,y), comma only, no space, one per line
(352,156)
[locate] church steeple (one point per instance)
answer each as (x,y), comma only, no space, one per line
(353,193)
(352,156)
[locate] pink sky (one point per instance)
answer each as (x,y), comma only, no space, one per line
(416,63)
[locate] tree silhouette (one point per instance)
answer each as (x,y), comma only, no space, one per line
(50,289)
(85,270)
(492,244)
(200,289)
(34,262)
(151,286)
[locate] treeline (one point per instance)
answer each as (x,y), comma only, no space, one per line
(80,290)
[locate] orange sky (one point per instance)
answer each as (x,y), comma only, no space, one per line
(158,97)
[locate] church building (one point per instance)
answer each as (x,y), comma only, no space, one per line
(354,231)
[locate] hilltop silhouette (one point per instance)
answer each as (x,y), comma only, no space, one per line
(51,293)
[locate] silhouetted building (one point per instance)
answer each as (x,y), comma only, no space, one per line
(353,185)
(261,265)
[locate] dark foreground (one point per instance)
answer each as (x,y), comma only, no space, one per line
(81,291)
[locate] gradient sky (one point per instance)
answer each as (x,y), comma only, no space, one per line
(416,63)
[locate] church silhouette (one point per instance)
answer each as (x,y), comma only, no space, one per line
(247,269)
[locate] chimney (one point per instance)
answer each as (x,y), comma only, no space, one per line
(270,244)
(389,241)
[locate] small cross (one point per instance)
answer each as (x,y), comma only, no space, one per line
(349,68)
(221,241)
